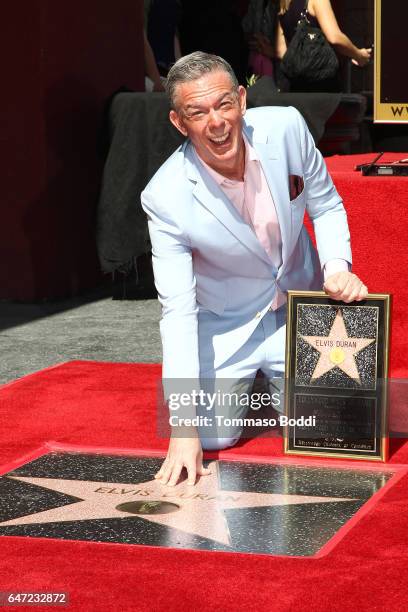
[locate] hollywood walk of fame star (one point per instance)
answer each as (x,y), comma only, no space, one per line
(337,349)
(196,510)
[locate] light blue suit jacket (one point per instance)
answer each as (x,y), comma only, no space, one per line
(214,279)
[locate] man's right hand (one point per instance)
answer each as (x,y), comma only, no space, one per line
(183,452)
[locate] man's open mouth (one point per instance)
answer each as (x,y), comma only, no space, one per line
(221,140)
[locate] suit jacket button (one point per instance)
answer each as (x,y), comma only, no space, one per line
(258,314)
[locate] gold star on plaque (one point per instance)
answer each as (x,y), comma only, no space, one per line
(337,350)
(196,510)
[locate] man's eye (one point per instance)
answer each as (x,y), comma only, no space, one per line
(226,104)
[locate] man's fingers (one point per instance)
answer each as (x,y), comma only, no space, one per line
(331,287)
(359,294)
(363,293)
(182,453)
(163,466)
(353,295)
(203,471)
(349,290)
(191,473)
(168,470)
(175,474)
(169,474)
(194,471)
(345,287)
(337,284)
(355,291)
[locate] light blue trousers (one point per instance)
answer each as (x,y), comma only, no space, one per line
(264,350)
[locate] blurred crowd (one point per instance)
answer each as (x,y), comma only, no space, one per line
(252,35)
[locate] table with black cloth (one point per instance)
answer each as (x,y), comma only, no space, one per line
(141,139)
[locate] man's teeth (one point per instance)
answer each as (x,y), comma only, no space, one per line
(220,140)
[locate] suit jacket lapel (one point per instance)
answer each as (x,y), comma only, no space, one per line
(211,196)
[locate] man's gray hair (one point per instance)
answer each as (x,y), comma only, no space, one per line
(193,66)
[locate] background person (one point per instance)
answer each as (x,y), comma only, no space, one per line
(214,26)
(320,14)
(260,26)
(153,80)
(162,19)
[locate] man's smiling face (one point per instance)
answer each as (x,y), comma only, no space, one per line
(209,111)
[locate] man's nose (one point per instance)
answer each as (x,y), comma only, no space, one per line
(215,119)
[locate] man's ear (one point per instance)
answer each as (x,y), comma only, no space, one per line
(242,98)
(177,122)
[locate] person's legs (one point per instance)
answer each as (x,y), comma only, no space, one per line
(227,390)
(229,386)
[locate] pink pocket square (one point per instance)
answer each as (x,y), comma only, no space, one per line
(296,186)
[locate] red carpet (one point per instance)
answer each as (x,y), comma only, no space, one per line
(377,209)
(113,406)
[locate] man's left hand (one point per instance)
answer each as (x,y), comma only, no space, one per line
(345,287)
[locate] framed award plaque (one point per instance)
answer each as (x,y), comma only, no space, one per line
(336,376)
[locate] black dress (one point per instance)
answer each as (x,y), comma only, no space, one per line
(289,22)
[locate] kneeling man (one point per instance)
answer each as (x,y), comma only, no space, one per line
(225,215)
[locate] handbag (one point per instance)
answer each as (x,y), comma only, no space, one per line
(309,56)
